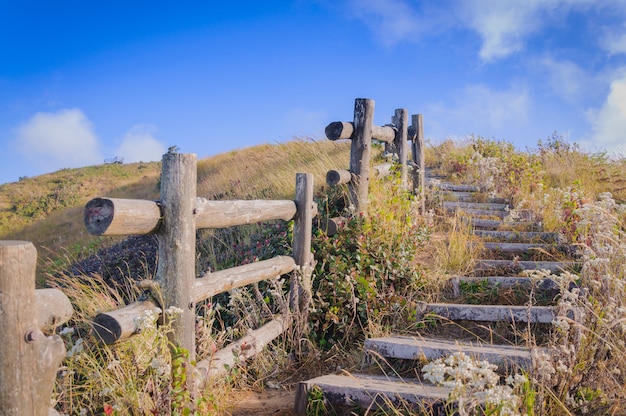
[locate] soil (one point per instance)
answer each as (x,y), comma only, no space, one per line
(266,403)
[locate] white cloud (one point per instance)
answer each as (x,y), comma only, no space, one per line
(394,21)
(505,26)
(609,122)
(57,140)
(139,145)
(566,78)
(614,41)
(481,110)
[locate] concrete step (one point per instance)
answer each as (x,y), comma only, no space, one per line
(518,236)
(450,205)
(372,392)
(457,187)
(482,224)
(487,313)
(547,287)
(471,197)
(479,212)
(512,267)
(516,247)
(506,357)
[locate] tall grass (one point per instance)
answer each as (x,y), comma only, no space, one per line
(369,278)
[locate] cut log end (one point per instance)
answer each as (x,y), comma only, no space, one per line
(339,130)
(98,215)
(106,328)
(338,177)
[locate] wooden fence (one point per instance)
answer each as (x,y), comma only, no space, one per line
(395,135)
(29,358)
(175,219)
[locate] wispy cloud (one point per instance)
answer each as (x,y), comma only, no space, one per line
(482,110)
(395,21)
(566,79)
(140,145)
(609,122)
(54,140)
(505,26)
(614,40)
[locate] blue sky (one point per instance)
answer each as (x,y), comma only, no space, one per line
(83,81)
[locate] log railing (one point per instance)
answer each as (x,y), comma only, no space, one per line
(396,135)
(29,358)
(175,219)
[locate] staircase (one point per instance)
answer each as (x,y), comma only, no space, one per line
(505,334)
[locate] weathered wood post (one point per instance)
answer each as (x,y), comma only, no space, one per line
(417,133)
(401,122)
(302,232)
(361,153)
(176,270)
(29,360)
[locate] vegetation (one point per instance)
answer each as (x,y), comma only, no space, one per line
(367,280)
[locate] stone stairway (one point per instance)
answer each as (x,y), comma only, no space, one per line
(498,333)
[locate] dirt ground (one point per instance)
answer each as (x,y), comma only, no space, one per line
(268,402)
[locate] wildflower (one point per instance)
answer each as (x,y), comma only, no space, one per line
(173,311)
(147,320)
(68,330)
(76,349)
(160,366)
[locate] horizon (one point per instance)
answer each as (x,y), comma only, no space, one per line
(83,83)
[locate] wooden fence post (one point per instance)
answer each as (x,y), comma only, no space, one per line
(302,232)
(401,123)
(29,360)
(360,153)
(176,270)
(417,124)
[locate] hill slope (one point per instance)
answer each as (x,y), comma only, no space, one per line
(47,210)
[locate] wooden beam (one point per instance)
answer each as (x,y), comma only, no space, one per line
(333,225)
(360,152)
(339,130)
(213,283)
(29,360)
(338,177)
(300,286)
(176,268)
(417,124)
(250,345)
(401,118)
(114,216)
(221,214)
(120,324)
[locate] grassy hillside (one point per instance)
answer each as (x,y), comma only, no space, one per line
(48,209)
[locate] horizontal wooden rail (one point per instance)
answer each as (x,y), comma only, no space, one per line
(214,283)
(242,349)
(338,130)
(120,324)
(221,214)
(114,216)
(338,177)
